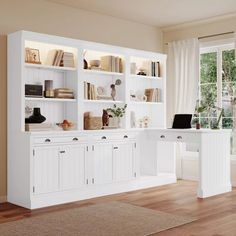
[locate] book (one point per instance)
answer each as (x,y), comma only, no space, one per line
(106,63)
(63,90)
(149,94)
(111,64)
(90,91)
(63,93)
(38,127)
(153,94)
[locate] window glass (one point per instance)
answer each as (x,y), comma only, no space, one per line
(208,63)
(217,90)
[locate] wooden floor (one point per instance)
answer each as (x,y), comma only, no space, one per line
(215,216)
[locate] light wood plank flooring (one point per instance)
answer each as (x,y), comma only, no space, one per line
(216,215)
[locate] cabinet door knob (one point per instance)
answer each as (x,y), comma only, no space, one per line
(62,151)
(75,139)
(104,137)
(179,137)
(47,140)
(115,148)
(125,136)
(162,136)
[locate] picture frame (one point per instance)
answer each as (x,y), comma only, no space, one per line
(32,55)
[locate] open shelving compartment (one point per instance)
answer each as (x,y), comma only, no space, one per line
(146,89)
(54,109)
(110,70)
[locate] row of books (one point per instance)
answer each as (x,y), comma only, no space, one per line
(90,92)
(65,59)
(152,68)
(153,94)
(64,93)
(111,64)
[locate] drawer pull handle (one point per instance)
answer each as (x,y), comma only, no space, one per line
(162,136)
(115,147)
(47,140)
(179,137)
(62,151)
(104,137)
(125,136)
(75,139)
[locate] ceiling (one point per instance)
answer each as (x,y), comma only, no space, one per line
(160,13)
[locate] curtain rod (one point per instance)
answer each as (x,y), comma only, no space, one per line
(212,35)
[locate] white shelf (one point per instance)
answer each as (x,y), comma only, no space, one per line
(145,77)
(146,103)
(47,67)
(101,72)
(104,101)
(50,99)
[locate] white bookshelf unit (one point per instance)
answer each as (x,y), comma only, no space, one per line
(54,166)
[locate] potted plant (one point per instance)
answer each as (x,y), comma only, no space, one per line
(117,113)
(208,109)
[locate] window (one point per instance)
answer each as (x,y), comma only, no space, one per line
(217,85)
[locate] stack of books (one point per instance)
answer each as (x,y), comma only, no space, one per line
(152,68)
(64,59)
(111,64)
(38,127)
(64,93)
(153,94)
(90,92)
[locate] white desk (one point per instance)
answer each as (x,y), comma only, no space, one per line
(214,156)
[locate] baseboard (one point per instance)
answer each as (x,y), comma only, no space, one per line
(214,191)
(233,183)
(189,177)
(3,199)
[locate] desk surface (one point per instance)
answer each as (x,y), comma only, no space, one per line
(193,130)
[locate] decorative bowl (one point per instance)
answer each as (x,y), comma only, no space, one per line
(94,63)
(66,127)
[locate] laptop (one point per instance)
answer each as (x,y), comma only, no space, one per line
(182,121)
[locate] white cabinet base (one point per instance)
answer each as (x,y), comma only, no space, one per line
(43,200)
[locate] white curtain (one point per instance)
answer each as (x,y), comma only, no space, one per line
(182,77)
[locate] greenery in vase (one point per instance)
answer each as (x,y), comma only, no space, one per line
(117,111)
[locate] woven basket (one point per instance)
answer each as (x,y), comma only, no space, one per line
(92,123)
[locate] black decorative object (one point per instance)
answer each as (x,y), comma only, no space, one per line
(36,118)
(33,90)
(85,64)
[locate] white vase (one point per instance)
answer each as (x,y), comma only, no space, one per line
(118,122)
(115,122)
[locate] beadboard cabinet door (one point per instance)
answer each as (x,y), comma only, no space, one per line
(124,161)
(46,169)
(72,166)
(101,163)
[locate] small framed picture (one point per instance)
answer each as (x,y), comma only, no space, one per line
(32,56)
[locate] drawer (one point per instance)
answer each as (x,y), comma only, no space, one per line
(178,137)
(55,140)
(110,137)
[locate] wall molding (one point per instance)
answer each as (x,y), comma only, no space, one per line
(198,22)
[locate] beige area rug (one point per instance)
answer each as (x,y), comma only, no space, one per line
(106,219)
